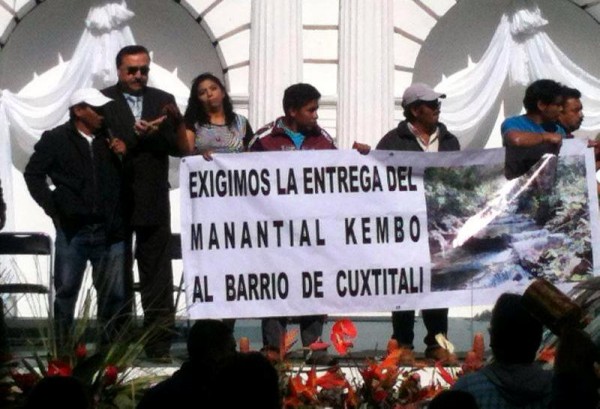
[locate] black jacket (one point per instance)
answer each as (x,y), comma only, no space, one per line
(87,180)
(147,168)
(402,139)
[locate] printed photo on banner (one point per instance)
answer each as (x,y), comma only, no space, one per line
(486,232)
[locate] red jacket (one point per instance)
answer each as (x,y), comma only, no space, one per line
(273,138)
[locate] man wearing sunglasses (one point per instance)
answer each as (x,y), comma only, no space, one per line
(86,207)
(146,119)
(420,132)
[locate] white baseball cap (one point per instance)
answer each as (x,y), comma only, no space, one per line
(90,96)
(420,92)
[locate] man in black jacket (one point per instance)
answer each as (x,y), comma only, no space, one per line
(84,165)
(146,119)
(421,132)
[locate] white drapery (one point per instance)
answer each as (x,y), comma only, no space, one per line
(521,52)
(43,103)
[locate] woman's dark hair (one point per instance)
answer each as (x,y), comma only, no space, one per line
(195,112)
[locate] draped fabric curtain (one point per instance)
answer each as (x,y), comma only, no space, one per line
(43,103)
(520,52)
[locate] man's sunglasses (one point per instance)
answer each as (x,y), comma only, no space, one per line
(437,104)
(132,70)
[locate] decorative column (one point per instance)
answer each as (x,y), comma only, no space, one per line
(275,56)
(366,71)
(6,164)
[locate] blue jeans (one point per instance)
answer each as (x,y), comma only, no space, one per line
(108,277)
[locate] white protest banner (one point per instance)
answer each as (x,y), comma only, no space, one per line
(316,232)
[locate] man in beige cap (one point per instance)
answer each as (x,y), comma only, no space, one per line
(421,132)
(84,165)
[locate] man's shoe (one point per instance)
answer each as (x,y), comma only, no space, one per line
(439,354)
(404,353)
(406,356)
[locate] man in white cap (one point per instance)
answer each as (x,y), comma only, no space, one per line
(421,132)
(84,165)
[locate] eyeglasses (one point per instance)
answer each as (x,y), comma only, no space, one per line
(437,104)
(132,70)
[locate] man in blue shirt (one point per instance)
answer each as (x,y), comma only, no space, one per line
(528,137)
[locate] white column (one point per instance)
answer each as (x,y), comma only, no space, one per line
(275,56)
(366,71)
(6,165)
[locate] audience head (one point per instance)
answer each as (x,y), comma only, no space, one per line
(258,386)
(133,66)
(208,93)
(515,335)
(544,98)
(571,116)
(65,392)
(453,399)
(422,105)
(300,104)
(210,341)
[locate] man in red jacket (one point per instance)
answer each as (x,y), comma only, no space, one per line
(297,130)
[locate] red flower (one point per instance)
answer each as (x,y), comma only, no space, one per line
(80,351)
(25,381)
(472,363)
(303,392)
(380,395)
(110,374)
(333,378)
(341,333)
(479,346)
(547,354)
(56,367)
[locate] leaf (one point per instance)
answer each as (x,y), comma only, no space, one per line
(333,378)
(446,376)
(288,341)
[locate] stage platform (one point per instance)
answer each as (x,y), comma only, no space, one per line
(25,337)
